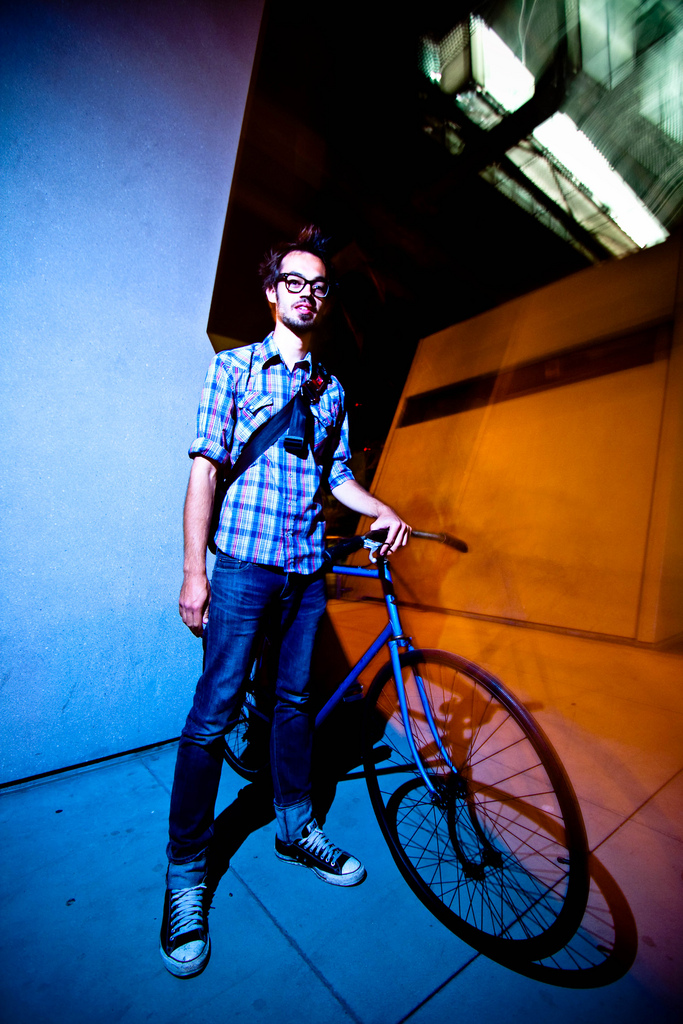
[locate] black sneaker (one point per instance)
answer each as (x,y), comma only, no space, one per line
(314,850)
(185,943)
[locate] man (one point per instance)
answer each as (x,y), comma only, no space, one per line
(269,547)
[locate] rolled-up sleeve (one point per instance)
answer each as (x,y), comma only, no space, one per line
(215,417)
(339,471)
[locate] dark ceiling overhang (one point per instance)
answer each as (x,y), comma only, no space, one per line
(335,134)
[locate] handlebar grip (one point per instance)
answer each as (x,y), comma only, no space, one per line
(443,538)
(348,545)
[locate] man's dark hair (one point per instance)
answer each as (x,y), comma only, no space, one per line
(310,239)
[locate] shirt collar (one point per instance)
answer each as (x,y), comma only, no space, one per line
(268,353)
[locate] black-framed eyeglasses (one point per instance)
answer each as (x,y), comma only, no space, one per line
(295,284)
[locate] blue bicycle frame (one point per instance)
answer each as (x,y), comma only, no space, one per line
(393,636)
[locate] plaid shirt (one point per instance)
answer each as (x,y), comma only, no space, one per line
(272,514)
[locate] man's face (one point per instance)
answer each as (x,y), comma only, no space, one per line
(301,312)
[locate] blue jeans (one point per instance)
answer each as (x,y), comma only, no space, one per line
(243,596)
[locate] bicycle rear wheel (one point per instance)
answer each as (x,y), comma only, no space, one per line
(499,853)
(247,739)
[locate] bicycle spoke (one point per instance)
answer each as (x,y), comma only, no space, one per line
(498,851)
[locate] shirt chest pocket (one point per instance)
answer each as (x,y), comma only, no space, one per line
(253,409)
(324,423)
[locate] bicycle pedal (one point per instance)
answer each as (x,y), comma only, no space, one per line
(354,692)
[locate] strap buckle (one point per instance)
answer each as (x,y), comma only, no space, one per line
(296,438)
(312,389)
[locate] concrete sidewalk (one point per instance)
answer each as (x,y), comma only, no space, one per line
(83,875)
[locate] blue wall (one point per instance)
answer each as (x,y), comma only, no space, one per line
(120,128)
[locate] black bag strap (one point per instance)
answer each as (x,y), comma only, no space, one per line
(262,438)
(293,418)
(258,442)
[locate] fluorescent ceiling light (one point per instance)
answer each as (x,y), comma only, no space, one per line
(497,70)
(473,57)
(574,150)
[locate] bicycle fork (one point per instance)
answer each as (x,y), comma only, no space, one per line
(398,640)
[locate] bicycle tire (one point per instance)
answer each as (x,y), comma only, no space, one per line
(500,855)
(247,739)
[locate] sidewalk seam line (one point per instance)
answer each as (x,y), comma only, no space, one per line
(438,989)
(297,948)
(637,810)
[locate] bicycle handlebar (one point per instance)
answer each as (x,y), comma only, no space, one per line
(347,545)
(443,538)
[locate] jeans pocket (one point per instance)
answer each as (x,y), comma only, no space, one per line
(226,563)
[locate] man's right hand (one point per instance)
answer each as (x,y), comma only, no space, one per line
(195,595)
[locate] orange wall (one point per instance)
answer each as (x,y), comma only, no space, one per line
(570,496)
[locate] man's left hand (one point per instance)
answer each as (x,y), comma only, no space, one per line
(399,532)
(355,497)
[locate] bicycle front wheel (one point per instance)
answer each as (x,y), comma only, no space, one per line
(498,852)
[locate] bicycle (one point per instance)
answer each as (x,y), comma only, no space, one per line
(474,803)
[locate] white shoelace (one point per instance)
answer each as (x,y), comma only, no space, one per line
(187,910)
(317,843)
